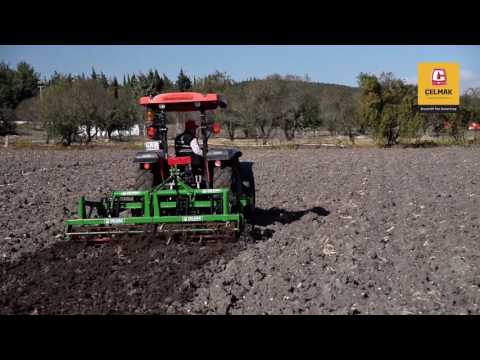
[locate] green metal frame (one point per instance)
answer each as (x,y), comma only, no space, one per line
(152,203)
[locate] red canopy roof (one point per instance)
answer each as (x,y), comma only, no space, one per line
(185,101)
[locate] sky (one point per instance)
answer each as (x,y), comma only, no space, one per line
(322,63)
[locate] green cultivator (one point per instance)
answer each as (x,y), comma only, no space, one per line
(213,199)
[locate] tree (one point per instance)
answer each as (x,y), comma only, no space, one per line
(263,99)
(217,82)
(57,113)
(168,84)
(471,103)
(115,87)
(411,120)
(242,103)
(157,83)
(133,81)
(15,86)
(347,119)
(299,108)
(288,98)
(69,109)
(123,112)
(310,109)
(387,107)
(371,105)
(27,111)
(7,121)
(231,117)
(103,80)
(457,124)
(56,77)
(25,82)
(183,81)
(7,93)
(90,102)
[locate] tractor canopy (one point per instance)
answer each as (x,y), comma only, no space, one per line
(185,101)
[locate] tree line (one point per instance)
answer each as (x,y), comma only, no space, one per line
(388,109)
(16,85)
(75,108)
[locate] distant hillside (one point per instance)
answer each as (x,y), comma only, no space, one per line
(326,92)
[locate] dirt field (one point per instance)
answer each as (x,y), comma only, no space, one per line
(339,231)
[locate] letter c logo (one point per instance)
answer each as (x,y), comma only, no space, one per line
(439,77)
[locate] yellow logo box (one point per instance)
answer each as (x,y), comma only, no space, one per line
(438,84)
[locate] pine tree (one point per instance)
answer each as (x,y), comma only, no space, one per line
(115,87)
(25,82)
(103,80)
(167,83)
(157,83)
(94,74)
(183,81)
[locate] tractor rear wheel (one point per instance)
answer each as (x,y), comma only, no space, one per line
(248,187)
(144,180)
(222,177)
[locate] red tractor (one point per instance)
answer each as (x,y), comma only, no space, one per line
(171,194)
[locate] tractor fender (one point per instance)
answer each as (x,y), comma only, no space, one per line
(148,157)
(223,154)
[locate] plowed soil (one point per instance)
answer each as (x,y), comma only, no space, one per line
(338,231)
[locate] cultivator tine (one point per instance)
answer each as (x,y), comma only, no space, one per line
(100,234)
(192,231)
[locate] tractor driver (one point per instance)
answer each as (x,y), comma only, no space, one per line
(186,144)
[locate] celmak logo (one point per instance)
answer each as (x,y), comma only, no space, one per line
(439,77)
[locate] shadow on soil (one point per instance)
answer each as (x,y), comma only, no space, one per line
(134,275)
(265,217)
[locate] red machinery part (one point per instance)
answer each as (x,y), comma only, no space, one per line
(216,128)
(185,101)
(151,132)
(474,126)
(180,160)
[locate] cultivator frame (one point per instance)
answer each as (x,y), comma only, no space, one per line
(172,207)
